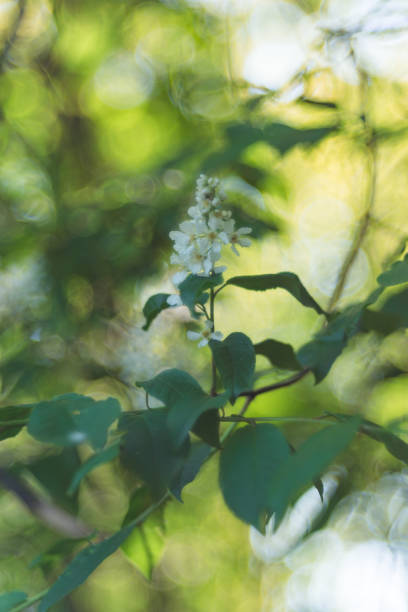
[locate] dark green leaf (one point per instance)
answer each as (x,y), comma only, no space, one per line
(13,413)
(307,463)
(282,280)
(193,287)
(104,456)
(55,473)
(53,555)
(207,427)
(144,546)
(153,307)
(70,419)
(397,274)
(247,464)
(138,502)
(320,353)
(82,566)
(10,600)
(283,137)
(235,361)
(184,398)
(397,447)
(148,451)
(279,354)
(198,454)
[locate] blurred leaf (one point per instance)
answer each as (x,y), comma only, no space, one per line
(13,413)
(104,456)
(55,473)
(138,502)
(10,600)
(144,546)
(282,280)
(193,287)
(199,452)
(153,307)
(279,354)
(72,419)
(398,273)
(247,464)
(185,401)
(283,137)
(307,463)
(319,487)
(235,361)
(147,449)
(82,566)
(53,555)
(207,427)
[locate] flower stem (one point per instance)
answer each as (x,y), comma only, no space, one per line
(213,368)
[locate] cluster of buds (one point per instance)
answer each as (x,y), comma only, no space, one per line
(198,242)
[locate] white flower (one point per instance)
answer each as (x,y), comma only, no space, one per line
(233,237)
(205,335)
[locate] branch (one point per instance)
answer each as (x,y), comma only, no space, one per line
(279,385)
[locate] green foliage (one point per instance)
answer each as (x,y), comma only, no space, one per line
(235,361)
(193,288)
(279,354)
(71,419)
(103,456)
(9,600)
(82,566)
(144,546)
(9,420)
(239,136)
(282,280)
(307,463)
(247,464)
(185,400)
(148,449)
(397,274)
(153,307)
(199,452)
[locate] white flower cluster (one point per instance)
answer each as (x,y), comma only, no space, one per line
(198,242)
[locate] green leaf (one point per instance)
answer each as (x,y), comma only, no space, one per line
(397,447)
(144,546)
(148,451)
(397,274)
(193,288)
(55,473)
(279,354)
(82,566)
(153,307)
(10,414)
(184,398)
(305,465)
(207,427)
(138,502)
(104,456)
(247,463)
(235,361)
(199,453)
(283,137)
(71,419)
(10,600)
(282,280)
(53,555)
(320,353)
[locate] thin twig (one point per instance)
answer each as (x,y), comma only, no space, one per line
(278,385)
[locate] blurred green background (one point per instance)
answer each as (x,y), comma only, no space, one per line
(109,110)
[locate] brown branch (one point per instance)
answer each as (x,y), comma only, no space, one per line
(279,385)
(50,514)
